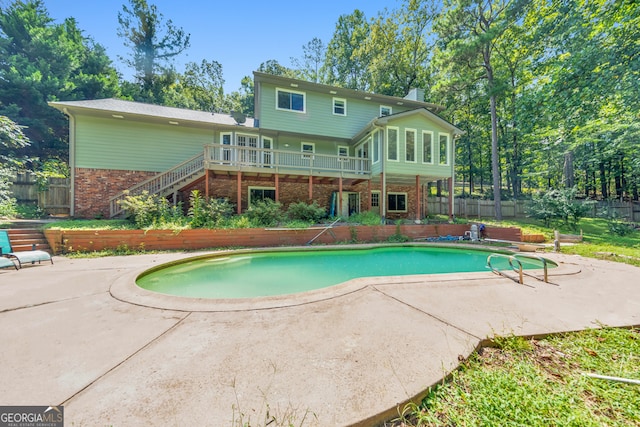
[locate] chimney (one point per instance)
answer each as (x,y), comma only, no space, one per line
(415,94)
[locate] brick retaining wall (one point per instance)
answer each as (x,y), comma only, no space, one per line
(63,241)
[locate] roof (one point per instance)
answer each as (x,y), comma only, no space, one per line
(384,120)
(344,92)
(130,108)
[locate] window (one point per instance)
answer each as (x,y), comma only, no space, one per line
(397,202)
(267,144)
(307,148)
(427,147)
(376,146)
(343,151)
(392,144)
(444,149)
(290,100)
(410,145)
(385,111)
(225,153)
(260,193)
(339,107)
(375,199)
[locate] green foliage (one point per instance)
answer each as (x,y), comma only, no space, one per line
(86,224)
(209,214)
(150,210)
(197,210)
(398,237)
(365,218)
(143,208)
(42,61)
(265,213)
(153,43)
(29,211)
(311,213)
(558,205)
(540,383)
(8,206)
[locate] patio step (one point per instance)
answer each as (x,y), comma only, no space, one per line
(24,239)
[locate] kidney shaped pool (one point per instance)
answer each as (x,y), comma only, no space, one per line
(259,274)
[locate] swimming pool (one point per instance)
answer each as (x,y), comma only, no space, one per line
(269,273)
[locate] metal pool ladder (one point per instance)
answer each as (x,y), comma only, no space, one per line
(518,268)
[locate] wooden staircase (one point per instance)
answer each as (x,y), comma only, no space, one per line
(23,239)
(164,184)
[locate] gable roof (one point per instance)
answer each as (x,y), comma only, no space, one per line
(343,92)
(385,120)
(119,107)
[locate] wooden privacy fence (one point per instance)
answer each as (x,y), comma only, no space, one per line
(54,198)
(477,208)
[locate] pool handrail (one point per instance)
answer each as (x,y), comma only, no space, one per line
(544,265)
(519,269)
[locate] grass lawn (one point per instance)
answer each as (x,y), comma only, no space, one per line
(540,383)
(543,382)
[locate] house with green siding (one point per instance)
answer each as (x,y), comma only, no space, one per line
(348,150)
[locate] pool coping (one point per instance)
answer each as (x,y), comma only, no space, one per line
(125,289)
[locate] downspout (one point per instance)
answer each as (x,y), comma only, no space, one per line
(72,162)
(453,174)
(383,183)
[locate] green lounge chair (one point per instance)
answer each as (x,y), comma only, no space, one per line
(32,256)
(6,262)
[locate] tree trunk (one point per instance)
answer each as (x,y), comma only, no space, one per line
(603,181)
(569,180)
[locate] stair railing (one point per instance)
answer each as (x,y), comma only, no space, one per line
(159,183)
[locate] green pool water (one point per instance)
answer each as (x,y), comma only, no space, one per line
(276,273)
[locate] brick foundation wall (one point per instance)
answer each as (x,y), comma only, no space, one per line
(293,192)
(94,188)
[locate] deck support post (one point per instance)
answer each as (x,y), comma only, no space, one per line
(369,195)
(277,184)
(450,182)
(417,197)
(239,207)
(339,213)
(206,184)
(310,188)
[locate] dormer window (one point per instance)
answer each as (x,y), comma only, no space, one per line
(385,110)
(290,100)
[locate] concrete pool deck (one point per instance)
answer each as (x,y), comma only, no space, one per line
(76,334)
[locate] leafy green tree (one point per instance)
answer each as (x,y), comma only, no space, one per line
(398,50)
(345,65)
(154,43)
(469,30)
(42,61)
(11,137)
(309,67)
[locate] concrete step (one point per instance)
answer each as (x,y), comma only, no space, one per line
(24,239)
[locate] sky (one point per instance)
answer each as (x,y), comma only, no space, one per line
(240,35)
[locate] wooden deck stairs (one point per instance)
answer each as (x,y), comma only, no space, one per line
(163,184)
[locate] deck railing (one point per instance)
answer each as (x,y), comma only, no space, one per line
(245,157)
(160,183)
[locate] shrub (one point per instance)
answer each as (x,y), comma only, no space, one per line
(365,218)
(302,211)
(142,209)
(220,210)
(197,210)
(265,213)
(558,205)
